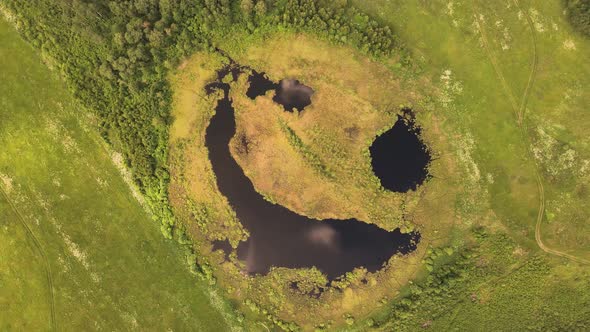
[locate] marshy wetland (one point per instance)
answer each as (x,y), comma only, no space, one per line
(279,237)
(317,163)
(288,92)
(284,201)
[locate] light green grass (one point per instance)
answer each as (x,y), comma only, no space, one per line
(111,269)
(443,35)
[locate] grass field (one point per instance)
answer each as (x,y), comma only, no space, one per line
(510,58)
(512,77)
(500,90)
(77,251)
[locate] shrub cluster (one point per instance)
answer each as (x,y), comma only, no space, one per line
(341,24)
(578,13)
(114,57)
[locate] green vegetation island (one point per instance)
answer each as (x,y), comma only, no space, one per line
(295,165)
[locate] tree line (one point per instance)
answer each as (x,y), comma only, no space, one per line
(115,56)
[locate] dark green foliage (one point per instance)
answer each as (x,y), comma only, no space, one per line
(578,13)
(115,56)
(485,286)
(341,24)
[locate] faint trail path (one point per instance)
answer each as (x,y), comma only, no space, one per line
(519,111)
(39,248)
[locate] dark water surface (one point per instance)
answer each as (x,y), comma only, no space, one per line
(398,156)
(288,92)
(282,238)
(259,85)
(292,94)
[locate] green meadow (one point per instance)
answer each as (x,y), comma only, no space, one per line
(500,92)
(77,250)
(496,63)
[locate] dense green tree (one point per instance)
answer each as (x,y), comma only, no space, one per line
(578,13)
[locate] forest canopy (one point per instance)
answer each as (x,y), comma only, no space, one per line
(115,57)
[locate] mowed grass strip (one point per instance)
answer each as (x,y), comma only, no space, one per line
(111,267)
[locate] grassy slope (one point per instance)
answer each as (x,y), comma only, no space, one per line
(110,267)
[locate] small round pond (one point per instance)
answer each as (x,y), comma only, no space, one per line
(399,158)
